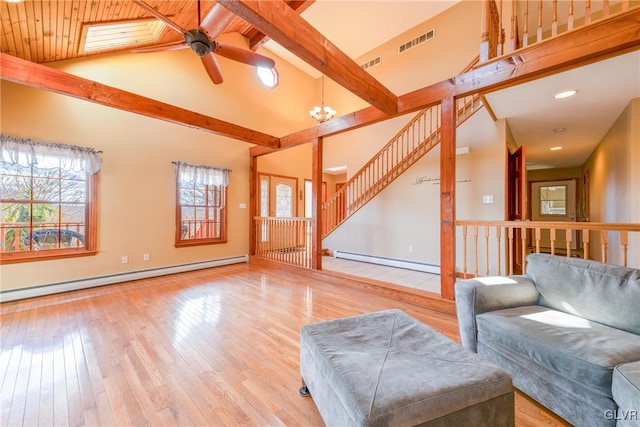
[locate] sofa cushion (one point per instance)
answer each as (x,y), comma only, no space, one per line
(626,386)
(604,293)
(572,347)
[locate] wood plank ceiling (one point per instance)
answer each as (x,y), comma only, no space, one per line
(50,30)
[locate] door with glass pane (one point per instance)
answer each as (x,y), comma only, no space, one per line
(555,201)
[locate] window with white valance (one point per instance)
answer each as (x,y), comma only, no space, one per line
(200,204)
(47,199)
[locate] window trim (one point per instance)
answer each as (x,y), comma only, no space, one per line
(181,243)
(90,242)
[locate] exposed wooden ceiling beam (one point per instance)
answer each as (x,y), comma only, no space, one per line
(257,38)
(41,77)
(582,46)
(282,24)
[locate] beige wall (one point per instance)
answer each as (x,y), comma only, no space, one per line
(615,179)
(137,189)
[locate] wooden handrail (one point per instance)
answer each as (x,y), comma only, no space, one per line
(588,240)
(286,240)
(407,146)
(547,19)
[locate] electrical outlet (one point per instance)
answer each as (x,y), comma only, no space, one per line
(125,259)
(410,249)
(145,257)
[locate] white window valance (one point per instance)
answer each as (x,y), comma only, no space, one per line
(200,174)
(47,155)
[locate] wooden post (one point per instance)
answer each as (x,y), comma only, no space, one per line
(447,197)
(316,205)
(253,203)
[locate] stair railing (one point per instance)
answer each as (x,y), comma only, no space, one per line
(410,144)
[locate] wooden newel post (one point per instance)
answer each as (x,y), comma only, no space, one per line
(316,205)
(447,198)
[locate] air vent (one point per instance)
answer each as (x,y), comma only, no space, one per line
(415,42)
(375,61)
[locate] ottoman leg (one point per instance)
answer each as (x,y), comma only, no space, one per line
(304,391)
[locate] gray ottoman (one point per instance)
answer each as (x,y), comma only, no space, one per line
(387,368)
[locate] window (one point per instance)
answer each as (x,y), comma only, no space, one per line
(553,200)
(48,196)
(201,216)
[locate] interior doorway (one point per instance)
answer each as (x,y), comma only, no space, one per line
(555,201)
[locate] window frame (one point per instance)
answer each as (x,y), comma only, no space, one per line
(90,236)
(179,241)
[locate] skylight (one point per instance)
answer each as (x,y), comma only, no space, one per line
(112,35)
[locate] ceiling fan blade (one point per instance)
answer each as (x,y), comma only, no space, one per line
(161,48)
(216,21)
(213,69)
(160,16)
(243,55)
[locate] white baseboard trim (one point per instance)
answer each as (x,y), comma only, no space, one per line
(409,265)
(74,285)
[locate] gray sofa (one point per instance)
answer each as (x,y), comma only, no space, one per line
(568,332)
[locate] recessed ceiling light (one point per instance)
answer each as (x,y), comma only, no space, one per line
(555,148)
(565,94)
(13,1)
(559,130)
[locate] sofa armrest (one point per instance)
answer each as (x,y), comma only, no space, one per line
(477,296)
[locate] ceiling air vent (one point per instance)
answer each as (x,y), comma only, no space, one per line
(415,42)
(375,61)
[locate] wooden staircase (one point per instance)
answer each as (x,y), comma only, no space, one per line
(408,146)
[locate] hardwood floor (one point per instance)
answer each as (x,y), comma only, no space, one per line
(212,347)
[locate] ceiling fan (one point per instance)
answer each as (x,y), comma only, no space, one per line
(200,40)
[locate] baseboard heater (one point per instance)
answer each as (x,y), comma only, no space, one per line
(390,262)
(74,285)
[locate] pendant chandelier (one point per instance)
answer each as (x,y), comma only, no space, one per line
(323,112)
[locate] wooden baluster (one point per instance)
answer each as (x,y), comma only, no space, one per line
(510,251)
(499,245)
(513,34)
(484,31)
(625,5)
(475,251)
(585,244)
(570,17)
(603,244)
(538,233)
(552,237)
(500,30)
(554,22)
(587,12)
(523,247)
(486,249)
(605,8)
(525,34)
(464,251)
(624,243)
(539,30)
(568,237)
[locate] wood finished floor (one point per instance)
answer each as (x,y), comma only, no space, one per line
(213,347)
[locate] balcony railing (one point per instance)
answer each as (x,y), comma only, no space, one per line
(488,248)
(285,240)
(25,236)
(531,21)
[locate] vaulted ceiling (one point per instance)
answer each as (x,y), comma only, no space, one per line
(50,30)
(42,31)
